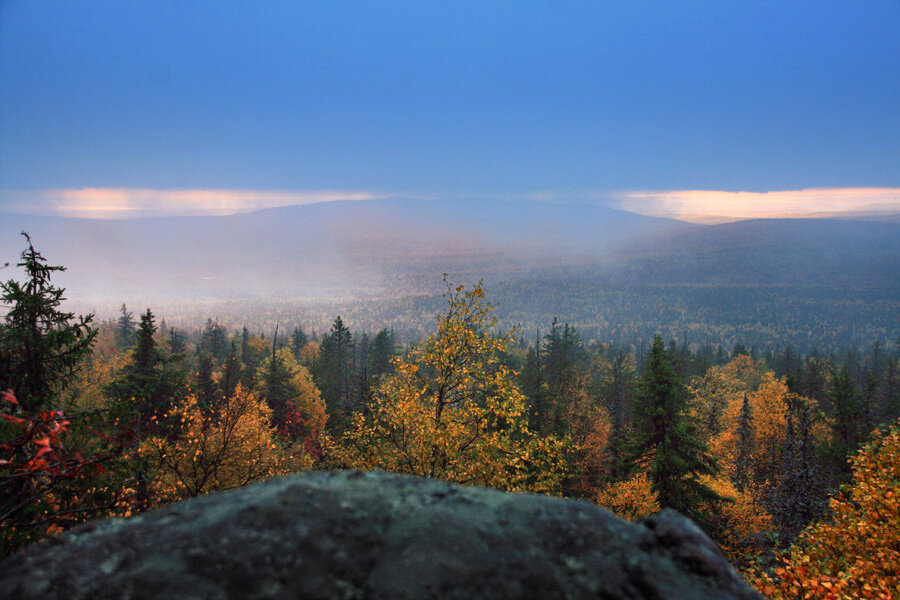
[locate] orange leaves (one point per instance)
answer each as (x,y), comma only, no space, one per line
(232,448)
(855,553)
(53,529)
(630,499)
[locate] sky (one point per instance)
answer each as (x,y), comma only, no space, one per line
(699,110)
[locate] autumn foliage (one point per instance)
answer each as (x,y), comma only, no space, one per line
(452,411)
(151,416)
(631,498)
(855,553)
(232,447)
(42,480)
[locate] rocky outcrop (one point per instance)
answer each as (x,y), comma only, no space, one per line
(375,535)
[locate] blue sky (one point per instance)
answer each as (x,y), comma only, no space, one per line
(557,100)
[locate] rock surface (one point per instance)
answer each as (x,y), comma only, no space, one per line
(374,535)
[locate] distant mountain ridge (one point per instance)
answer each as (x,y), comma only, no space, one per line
(323,248)
(823,253)
(398,246)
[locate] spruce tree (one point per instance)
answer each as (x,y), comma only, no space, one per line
(381,353)
(214,340)
(334,374)
(617,391)
(665,439)
(207,392)
(231,373)
(531,382)
(846,408)
(277,387)
(125,329)
(561,360)
(744,459)
(150,383)
(298,342)
(41,347)
(146,354)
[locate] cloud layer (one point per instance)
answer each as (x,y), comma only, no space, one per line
(701,206)
(124,203)
(712,206)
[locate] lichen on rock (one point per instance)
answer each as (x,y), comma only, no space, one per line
(354,535)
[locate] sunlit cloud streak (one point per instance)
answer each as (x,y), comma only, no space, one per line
(715,206)
(124,203)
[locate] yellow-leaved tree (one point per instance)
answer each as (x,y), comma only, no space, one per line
(233,447)
(856,552)
(745,411)
(630,499)
(719,390)
(452,411)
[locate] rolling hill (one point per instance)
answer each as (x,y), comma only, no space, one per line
(324,250)
(615,275)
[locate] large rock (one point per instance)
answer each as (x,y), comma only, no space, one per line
(375,535)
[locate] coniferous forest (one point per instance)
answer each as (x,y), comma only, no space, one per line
(788,459)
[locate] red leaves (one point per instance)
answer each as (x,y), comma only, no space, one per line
(39,441)
(12,419)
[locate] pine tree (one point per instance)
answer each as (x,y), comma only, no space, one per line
(666,441)
(41,347)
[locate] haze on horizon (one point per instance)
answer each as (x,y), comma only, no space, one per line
(696,111)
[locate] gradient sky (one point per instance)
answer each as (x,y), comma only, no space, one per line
(562,100)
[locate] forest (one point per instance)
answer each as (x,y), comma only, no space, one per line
(788,455)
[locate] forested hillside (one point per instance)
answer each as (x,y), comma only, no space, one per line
(617,276)
(327,250)
(118,416)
